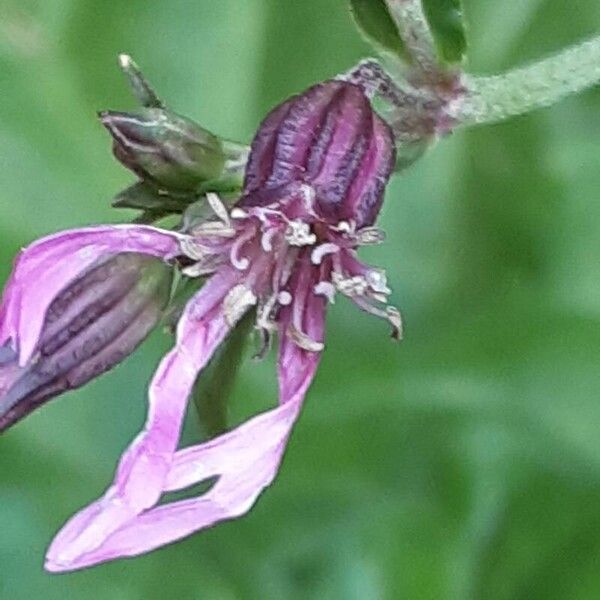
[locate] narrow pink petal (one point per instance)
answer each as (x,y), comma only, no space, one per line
(140,476)
(297,368)
(246,466)
(246,461)
(45,267)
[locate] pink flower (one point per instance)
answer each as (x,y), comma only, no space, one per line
(314,186)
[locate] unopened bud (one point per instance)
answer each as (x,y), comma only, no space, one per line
(169,150)
(90,327)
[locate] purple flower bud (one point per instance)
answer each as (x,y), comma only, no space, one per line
(94,323)
(329,138)
(165,148)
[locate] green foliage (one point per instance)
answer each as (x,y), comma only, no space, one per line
(461,464)
(448,24)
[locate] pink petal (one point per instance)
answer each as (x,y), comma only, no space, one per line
(246,461)
(246,465)
(140,476)
(45,267)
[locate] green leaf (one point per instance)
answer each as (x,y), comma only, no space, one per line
(446,18)
(377,26)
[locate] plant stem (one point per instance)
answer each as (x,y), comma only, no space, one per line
(540,84)
(409,17)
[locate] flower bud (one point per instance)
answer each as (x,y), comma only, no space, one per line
(90,327)
(165,148)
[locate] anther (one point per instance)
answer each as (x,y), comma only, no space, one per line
(218,207)
(237,301)
(319,253)
(327,289)
(350,286)
(191,248)
(304,341)
(266,240)
(238,213)
(378,281)
(284,298)
(395,319)
(369,236)
(298,233)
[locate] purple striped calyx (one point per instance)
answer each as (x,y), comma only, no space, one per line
(313,188)
(331,141)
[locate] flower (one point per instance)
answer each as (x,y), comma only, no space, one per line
(313,188)
(77,304)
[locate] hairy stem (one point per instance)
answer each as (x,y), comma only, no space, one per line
(540,84)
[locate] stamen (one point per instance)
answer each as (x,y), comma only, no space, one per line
(284,267)
(344,227)
(240,263)
(390,313)
(317,255)
(266,340)
(263,214)
(327,289)
(284,298)
(350,286)
(238,213)
(191,248)
(264,318)
(370,236)
(266,240)
(298,233)
(218,207)
(377,281)
(207,266)
(308,194)
(214,229)
(395,318)
(379,297)
(237,301)
(304,341)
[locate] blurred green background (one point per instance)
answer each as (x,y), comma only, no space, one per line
(463,463)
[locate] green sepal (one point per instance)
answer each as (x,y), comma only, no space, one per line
(145,196)
(377,26)
(447,21)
